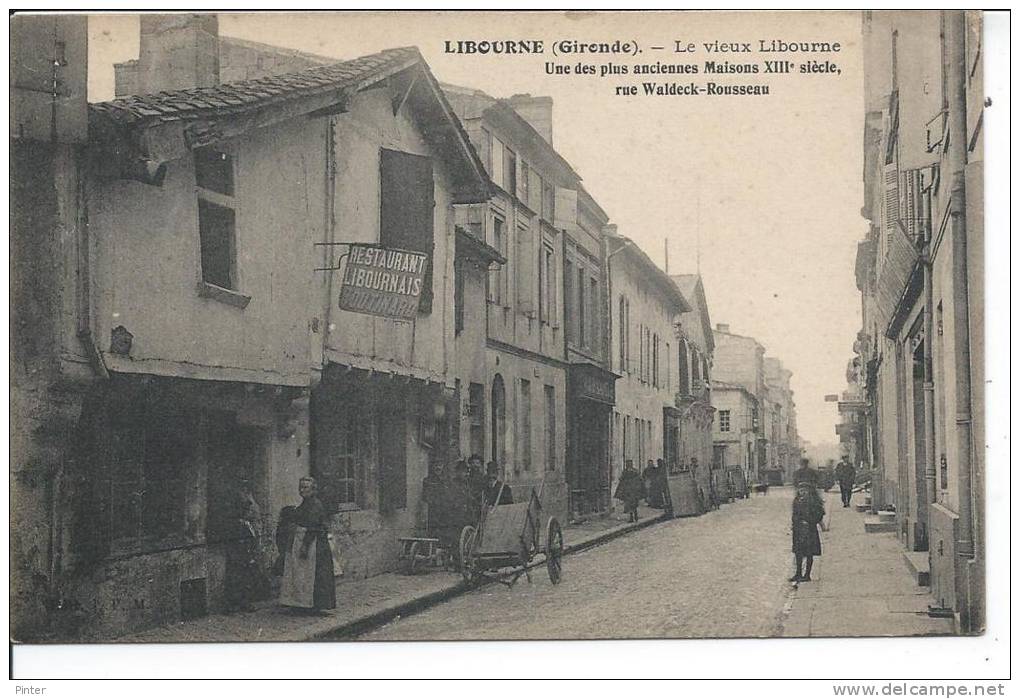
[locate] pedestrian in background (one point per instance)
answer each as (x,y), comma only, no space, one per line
(496,491)
(653,476)
(630,490)
(441,517)
(807,514)
(805,474)
(845,475)
(476,481)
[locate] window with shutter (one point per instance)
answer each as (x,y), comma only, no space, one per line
(406,203)
(497,172)
(891,203)
(525,270)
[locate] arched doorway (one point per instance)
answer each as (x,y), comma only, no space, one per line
(498,441)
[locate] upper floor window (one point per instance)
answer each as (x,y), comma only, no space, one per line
(510,172)
(214,177)
(581,292)
(497,172)
(524,174)
(548,202)
(547,283)
(622,334)
(724,420)
(498,276)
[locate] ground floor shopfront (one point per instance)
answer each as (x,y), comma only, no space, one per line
(373,439)
(152,484)
(591,395)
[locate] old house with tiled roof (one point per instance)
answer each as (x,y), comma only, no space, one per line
(217,225)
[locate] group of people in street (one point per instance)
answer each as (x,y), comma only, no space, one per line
(308,559)
(651,485)
(455,502)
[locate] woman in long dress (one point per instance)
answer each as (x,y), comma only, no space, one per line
(308,577)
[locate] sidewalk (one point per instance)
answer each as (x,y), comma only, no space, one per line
(364,604)
(860,586)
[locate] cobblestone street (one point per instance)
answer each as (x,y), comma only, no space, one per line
(720,575)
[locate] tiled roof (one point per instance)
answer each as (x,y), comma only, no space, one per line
(245,95)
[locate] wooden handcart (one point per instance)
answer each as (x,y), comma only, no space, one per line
(417,553)
(507,539)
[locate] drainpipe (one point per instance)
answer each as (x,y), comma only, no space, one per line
(929,341)
(957,156)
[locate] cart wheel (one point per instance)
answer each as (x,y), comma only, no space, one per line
(467,544)
(411,564)
(554,550)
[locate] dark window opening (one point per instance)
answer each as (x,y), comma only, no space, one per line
(458,297)
(216,233)
(214,170)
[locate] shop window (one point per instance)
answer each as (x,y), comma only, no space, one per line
(150,451)
(407,201)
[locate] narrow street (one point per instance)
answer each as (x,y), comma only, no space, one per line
(719,575)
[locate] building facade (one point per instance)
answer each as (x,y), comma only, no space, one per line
(646,308)
(920,271)
(695,357)
(740,362)
(547,396)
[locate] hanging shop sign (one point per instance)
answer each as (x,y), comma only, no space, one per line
(383,281)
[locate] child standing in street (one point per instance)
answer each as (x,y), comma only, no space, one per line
(807,514)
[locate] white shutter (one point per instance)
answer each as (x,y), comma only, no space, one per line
(890,203)
(525,270)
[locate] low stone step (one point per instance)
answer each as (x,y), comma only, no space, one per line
(886,516)
(862,506)
(917,562)
(873,525)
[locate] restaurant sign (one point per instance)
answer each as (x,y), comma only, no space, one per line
(383,281)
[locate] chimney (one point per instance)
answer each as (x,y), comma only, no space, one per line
(537,111)
(722,327)
(178,52)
